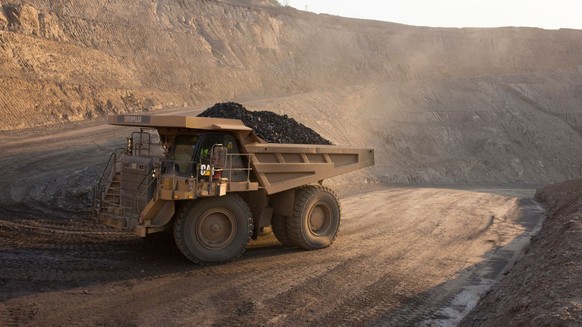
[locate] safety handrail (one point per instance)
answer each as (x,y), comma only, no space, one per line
(171,167)
(248,168)
(107,175)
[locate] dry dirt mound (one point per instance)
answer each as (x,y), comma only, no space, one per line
(269,126)
(544,288)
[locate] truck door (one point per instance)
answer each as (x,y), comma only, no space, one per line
(182,154)
(235,169)
(236,164)
(203,152)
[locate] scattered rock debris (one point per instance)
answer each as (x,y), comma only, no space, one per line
(269,126)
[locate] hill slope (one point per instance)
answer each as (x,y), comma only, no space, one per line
(439,105)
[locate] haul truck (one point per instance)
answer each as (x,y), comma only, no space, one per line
(215,184)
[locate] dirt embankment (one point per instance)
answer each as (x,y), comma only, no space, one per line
(544,288)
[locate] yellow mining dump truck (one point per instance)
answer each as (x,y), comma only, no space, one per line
(215,184)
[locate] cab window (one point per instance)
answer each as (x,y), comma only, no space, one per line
(183,152)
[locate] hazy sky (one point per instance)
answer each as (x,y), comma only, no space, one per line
(550,14)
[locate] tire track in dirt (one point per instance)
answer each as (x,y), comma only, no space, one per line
(401,256)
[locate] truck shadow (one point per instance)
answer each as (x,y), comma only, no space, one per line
(51,254)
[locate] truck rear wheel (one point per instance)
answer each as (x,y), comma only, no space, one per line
(279,226)
(316,218)
(213,230)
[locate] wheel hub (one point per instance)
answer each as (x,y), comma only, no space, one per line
(216,229)
(319,219)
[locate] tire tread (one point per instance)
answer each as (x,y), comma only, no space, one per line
(179,231)
(279,226)
(294,226)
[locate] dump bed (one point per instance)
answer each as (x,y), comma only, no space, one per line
(280,167)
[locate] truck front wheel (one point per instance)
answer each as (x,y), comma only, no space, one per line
(316,218)
(213,230)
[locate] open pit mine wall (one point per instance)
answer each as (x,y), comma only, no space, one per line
(71,60)
(438,105)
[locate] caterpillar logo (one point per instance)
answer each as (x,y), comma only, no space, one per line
(135,119)
(205,170)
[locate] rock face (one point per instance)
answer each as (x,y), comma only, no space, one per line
(27,20)
(269,126)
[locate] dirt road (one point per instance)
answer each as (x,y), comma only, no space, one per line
(404,256)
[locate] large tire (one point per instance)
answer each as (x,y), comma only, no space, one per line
(279,226)
(213,230)
(316,218)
